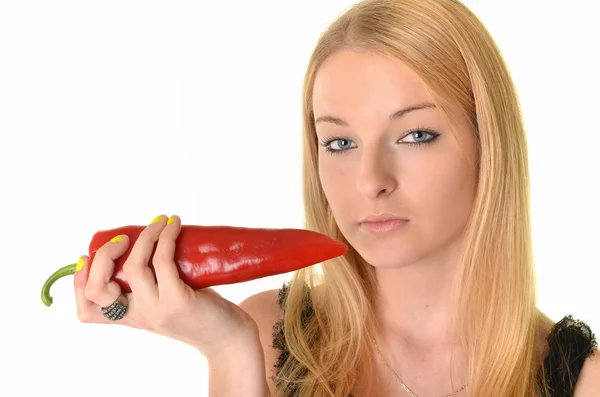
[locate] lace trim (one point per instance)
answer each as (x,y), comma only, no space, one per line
(278,331)
(570,343)
(279,341)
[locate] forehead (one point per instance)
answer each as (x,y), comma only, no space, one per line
(366,82)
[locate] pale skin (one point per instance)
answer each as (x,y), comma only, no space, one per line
(432,185)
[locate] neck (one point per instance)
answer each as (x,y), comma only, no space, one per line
(415,301)
(414,324)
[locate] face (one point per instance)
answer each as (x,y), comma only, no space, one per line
(375,160)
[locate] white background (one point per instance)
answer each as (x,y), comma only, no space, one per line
(113,112)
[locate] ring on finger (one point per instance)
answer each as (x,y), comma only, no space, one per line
(116,311)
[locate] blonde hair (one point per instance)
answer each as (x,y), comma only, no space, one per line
(495,289)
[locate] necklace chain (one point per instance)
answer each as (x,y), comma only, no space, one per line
(410,392)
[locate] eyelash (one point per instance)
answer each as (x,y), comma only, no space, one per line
(325,142)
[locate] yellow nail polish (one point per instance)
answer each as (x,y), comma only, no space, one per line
(117,239)
(157,219)
(79,265)
(171,220)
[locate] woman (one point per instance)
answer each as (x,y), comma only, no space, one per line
(415,156)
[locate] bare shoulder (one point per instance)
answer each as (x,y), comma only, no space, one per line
(588,383)
(264,308)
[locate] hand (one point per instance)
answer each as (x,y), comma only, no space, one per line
(163,304)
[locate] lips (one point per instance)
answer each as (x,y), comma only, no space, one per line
(387,216)
(383,223)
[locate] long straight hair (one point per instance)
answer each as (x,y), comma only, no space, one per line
(495,310)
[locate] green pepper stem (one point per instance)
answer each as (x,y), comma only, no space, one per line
(62,272)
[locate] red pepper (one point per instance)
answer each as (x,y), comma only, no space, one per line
(215,255)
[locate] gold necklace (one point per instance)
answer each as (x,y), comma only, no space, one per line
(400,380)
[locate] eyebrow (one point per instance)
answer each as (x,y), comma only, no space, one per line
(394,116)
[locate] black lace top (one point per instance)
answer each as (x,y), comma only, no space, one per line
(569,338)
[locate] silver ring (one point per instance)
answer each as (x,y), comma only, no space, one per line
(116,311)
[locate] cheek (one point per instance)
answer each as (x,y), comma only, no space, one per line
(335,181)
(445,191)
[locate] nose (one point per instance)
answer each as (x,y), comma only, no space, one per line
(376,176)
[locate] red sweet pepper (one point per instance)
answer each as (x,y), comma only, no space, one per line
(214,255)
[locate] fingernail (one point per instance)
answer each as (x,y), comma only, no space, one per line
(171,220)
(117,239)
(157,219)
(79,264)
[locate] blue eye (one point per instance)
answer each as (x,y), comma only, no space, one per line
(331,143)
(421,132)
(338,144)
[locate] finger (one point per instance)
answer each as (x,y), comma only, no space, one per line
(83,305)
(140,276)
(88,311)
(100,289)
(167,275)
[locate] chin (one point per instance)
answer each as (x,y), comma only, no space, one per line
(390,261)
(396,249)
(386,255)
